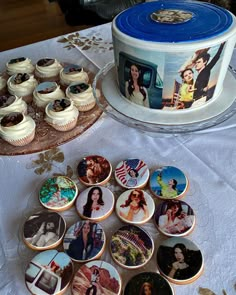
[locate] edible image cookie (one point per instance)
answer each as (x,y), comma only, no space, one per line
(174,218)
(168,182)
(179,260)
(96,277)
(84,241)
(58,193)
(135,206)
(49,272)
(95,203)
(131,247)
(44,230)
(132,173)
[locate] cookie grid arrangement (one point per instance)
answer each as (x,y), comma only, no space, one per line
(179,260)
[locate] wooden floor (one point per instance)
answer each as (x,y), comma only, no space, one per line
(29,21)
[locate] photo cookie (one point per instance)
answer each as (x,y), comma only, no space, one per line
(12,119)
(44,230)
(46,87)
(78,88)
(49,272)
(96,277)
(94,170)
(84,241)
(20,78)
(131,247)
(132,173)
(148,283)
(95,203)
(179,260)
(71,69)
(174,218)
(6,100)
(45,62)
(58,193)
(168,182)
(16,60)
(135,206)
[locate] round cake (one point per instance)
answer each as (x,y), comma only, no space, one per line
(172,56)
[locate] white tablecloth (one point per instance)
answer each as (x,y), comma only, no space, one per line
(208,158)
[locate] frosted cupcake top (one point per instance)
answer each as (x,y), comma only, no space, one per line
(3,82)
(21,84)
(10,103)
(19,65)
(48,67)
(73,73)
(80,93)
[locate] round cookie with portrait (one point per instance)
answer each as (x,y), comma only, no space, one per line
(84,241)
(135,206)
(49,272)
(58,193)
(132,173)
(94,170)
(95,203)
(174,218)
(131,247)
(168,182)
(44,230)
(179,260)
(96,277)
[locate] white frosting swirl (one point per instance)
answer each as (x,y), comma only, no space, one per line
(63,117)
(82,98)
(24,66)
(48,71)
(19,131)
(3,82)
(68,78)
(25,88)
(18,105)
(42,99)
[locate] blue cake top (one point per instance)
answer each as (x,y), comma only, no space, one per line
(174,21)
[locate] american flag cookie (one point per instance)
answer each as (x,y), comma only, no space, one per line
(49,272)
(135,206)
(168,182)
(132,173)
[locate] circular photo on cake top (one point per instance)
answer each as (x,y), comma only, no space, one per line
(132,173)
(95,203)
(168,182)
(148,283)
(93,170)
(174,218)
(49,272)
(96,277)
(84,241)
(44,230)
(135,206)
(131,247)
(179,260)
(58,193)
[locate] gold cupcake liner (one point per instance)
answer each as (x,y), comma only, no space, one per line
(66,127)
(86,107)
(22,141)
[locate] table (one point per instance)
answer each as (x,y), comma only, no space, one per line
(208,158)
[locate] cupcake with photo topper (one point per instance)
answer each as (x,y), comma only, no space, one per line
(46,92)
(22,85)
(17,129)
(11,103)
(61,114)
(47,69)
(73,73)
(3,84)
(19,65)
(82,95)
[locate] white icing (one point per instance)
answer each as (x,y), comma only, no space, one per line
(62,117)
(24,66)
(19,131)
(3,82)
(22,89)
(18,105)
(83,98)
(48,71)
(41,100)
(68,78)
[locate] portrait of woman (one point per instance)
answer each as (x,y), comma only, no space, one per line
(94,203)
(168,190)
(134,89)
(146,289)
(135,207)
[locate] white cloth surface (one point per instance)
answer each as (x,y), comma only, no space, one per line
(208,158)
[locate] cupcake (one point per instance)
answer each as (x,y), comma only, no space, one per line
(11,103)
(3,85)
(82,95)
(73,73)
(19,65)
(47,69)
(22,85)
(46,92)
(61,114)
(17,129)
